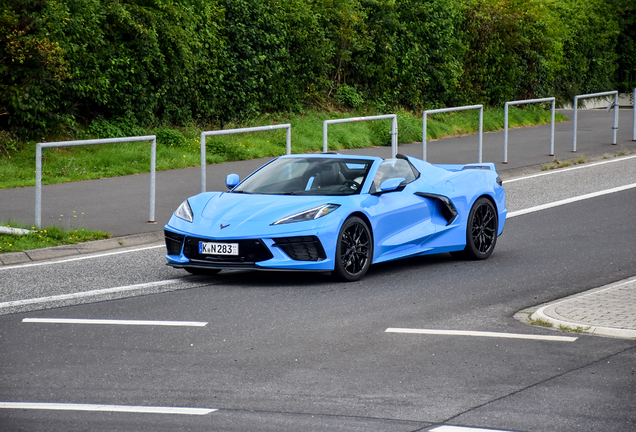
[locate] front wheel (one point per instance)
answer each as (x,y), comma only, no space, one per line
(481,231)
(354,250)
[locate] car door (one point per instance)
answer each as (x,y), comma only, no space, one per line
(400,219)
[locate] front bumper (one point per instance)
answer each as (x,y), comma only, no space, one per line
(292,252)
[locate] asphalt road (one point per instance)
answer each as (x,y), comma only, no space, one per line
(289,351)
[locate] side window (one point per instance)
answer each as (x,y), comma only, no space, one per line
(394,168)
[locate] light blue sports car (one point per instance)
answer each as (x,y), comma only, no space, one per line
(339,213)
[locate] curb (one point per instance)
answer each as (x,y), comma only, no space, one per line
(80,248)
(548,313)
(596,330)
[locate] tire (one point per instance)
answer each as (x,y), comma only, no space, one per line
(481,231)
(201,271)
(354,250)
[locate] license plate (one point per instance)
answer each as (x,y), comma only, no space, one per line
(218,248)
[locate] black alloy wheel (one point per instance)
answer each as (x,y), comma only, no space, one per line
(354,250)
(481,231)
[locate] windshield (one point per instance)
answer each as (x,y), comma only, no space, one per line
(308,176)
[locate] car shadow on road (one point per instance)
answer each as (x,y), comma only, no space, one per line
(409,267)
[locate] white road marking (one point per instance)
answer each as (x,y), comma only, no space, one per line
(564,170)
(570,200)
(105,408)
(84,257)
(114,322)
(88,293)
(446,428)
(482,334)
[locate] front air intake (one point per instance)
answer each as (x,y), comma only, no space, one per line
(306,248)
(173,242)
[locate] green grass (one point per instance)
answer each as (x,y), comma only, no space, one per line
(540,322)
(555,164)
(50,236)
(578,329)
(180,148)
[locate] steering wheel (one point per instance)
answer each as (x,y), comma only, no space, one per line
(351,184)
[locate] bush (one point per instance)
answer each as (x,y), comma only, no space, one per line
(114,128)
(626,46)
(170,137)
(588,33)
(348,96)
(514,51)
(179,62)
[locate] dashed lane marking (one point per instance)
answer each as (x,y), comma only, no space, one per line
(482,334)
(114,322)
(105,408)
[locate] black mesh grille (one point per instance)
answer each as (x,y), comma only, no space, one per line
(173,242)
(250,251)
(307,248)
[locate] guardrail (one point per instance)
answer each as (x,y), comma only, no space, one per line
(527,101)
(634,116)
(38,167)
(593,95)
(206,134)
(462,108)
(394,129)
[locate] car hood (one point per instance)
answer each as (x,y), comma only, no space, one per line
(235,207)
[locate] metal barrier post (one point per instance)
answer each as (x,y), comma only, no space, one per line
(206,134)
(615,128)
(394,129)
(634,116)
(528,101)
(38,167)
(38,186)
(153,177)
(462,108)
(593,95)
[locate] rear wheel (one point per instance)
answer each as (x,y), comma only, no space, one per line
(481,231)
(354,250)
(202,271)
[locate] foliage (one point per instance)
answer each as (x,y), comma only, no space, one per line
(32,65)
(589,33)
(348,96)
(513,50)
(117,67)
(115,128)
(626,46)
(170,137)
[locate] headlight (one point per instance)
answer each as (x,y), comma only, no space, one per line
(311,214)
(184,211)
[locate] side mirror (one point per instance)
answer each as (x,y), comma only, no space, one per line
(232,180)
(391,184)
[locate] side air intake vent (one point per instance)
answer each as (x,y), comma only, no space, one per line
(448,209)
